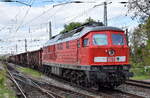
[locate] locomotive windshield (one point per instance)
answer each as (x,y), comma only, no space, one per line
(100,39)
(117,39)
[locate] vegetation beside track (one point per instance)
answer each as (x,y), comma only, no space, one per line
(30,71)
(140,72)
(140,50)
(5,90)
(141,77)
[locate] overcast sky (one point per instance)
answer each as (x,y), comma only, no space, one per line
(19,22)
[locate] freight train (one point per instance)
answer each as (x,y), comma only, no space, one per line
(90,56)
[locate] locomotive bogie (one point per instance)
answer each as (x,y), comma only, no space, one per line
(94,76)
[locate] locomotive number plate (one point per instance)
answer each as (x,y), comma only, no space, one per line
(110,59)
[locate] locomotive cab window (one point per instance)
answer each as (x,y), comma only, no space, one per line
(85,42)
(100,39)
(117,39)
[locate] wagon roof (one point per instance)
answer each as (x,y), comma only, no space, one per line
(78,33)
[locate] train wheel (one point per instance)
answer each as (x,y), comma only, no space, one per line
(82,80)
(66,75)
(73,77)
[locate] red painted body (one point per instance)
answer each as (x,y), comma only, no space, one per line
(73,52)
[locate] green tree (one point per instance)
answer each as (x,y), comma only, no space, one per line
(141,44)
(146,53)
(146,28)
(88,20)
(139,8)
(73,25)
(137,41)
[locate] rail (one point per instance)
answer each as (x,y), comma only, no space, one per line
(138,83)
(15,82)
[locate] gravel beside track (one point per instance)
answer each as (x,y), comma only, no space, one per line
(136,87)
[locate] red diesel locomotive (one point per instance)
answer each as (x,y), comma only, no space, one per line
(91,56)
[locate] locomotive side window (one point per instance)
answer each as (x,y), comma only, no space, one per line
(60,46)
(100,39)
(67,44)
(85,42)
(117,39)
(78,43)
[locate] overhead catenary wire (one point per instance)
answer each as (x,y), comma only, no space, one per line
(31,2)
(23,19)
(80,14)
(43,13)
(30,21)
(35,18)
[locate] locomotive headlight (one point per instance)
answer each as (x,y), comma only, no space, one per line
(120,58)
(111,52)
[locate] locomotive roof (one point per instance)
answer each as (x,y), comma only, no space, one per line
(78,33)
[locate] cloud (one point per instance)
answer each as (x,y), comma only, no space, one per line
(18,17)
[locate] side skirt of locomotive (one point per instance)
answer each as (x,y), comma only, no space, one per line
(90,76)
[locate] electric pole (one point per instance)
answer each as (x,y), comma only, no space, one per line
(127,36)
(25,45)
(50,30)
(29,30)
(105,13)
(16,48)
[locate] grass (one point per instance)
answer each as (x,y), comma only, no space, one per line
(30,71)
(5,91)
(141,77)
(140,74)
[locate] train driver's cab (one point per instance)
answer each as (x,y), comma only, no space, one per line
(104,39)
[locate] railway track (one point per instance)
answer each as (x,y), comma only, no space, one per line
(29,88)
(136,87)
(104,92)
(21,80)
(138,83)
(49,89)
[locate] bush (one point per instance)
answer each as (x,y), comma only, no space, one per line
(147,70)
(2,81)
(138,71)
